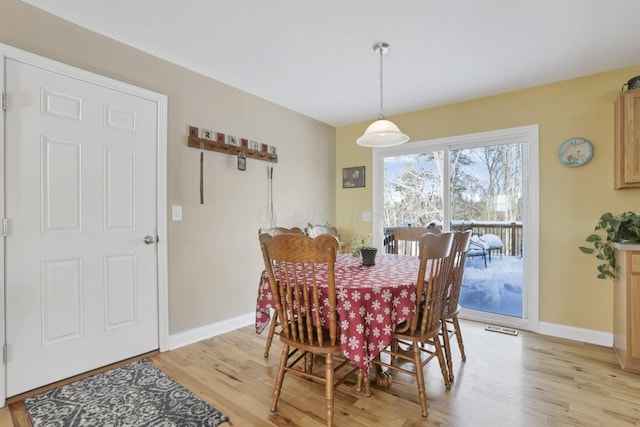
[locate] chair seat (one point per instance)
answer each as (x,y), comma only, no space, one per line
(403,332)
(416,337)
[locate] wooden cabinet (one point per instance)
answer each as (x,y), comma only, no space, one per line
(626,308)
(627,140)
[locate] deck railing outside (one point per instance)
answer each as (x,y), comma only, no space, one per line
(509,232)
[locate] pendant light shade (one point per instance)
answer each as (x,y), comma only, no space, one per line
(382,132)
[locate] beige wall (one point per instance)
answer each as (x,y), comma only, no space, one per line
(571,199)
(214,258)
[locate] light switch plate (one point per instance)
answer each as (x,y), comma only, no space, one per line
(366,216)
(176,213)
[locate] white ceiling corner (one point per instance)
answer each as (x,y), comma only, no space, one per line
(316,58)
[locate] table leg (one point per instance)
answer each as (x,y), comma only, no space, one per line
(383,378)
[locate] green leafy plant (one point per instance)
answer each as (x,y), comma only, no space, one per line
(623,228)
(360,243)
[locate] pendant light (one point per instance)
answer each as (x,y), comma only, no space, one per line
(382,132)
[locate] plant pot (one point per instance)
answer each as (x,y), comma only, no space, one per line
(368,256)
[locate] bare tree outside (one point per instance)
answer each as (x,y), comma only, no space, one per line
(486,185)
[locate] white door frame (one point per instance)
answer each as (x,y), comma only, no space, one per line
(161,197)
(531,209)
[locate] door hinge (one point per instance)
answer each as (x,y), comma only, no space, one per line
(4,354)
(5,227)
(4,101)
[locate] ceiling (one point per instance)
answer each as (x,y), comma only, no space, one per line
(316,57)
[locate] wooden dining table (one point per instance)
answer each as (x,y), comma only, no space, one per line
(371,302)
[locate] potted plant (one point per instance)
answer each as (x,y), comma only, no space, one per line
(623,228)
(364,247)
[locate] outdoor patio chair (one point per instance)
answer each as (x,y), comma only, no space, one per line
(493,243)
(478,248)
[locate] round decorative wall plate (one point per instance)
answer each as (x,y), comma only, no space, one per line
(575,152)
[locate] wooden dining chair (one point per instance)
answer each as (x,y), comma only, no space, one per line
(424,327)
(317,230)
(406,240)
(274,320)
(451,305)
(280,230)
(297,265)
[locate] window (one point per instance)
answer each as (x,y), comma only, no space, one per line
(486,182)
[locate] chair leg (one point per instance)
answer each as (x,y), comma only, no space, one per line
(329,388)
(447,349)
(443,363)
(417,360)
(308,362)
(456,324)
(272,330)
(364,375)
(279,378)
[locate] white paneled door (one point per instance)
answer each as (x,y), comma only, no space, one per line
(81,275)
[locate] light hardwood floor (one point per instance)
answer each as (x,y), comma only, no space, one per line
(527,380)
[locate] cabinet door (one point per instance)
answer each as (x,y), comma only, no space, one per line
(633,307)
(627,139)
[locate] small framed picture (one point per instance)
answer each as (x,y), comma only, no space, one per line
(353,177)
(242,163)
(233,140)
(220,137)
(244,143)
(194,131)
(254,145)
(264,148)
(273,149)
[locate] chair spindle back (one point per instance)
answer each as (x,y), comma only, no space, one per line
(461,241)
(406,240)
(298,266)
(435,266)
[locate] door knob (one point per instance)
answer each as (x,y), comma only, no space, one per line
(149,240)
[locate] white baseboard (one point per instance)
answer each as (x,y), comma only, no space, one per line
(590,336)
(205,332)
(181,339)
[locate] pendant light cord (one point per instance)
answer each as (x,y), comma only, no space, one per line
(380,49)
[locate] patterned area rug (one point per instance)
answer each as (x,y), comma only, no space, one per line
(138,394)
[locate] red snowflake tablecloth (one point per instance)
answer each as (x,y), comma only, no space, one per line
(371,302)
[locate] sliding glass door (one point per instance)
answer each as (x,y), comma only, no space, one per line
(486,197)
(480,182)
